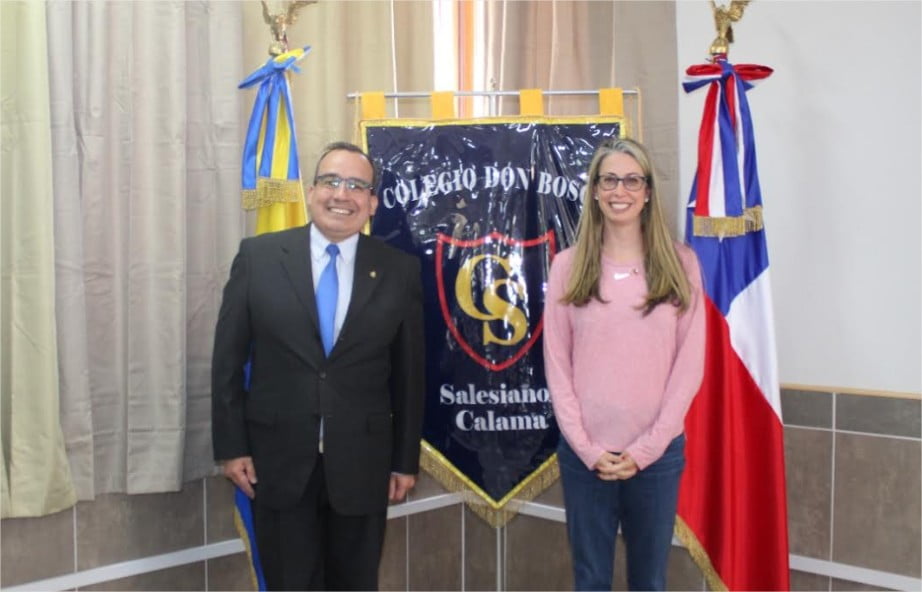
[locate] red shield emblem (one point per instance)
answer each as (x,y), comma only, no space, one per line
(491,292)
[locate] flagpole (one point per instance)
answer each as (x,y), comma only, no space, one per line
(271,185)
(732,512)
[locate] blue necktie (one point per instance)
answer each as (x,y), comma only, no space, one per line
(327,294)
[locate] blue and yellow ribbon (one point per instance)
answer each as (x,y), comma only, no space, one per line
(270,174)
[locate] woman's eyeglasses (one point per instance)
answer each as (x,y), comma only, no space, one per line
(631,182)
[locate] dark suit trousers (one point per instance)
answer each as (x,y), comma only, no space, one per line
(312,547)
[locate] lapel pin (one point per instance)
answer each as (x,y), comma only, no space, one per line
(373,274)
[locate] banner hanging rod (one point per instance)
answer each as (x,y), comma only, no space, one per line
(487,93)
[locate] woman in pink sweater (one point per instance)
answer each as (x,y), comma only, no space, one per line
(624,355)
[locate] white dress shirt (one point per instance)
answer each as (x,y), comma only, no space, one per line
(345,272)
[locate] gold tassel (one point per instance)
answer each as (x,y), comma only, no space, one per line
(494,513)
(750,221)
(269,191)
(699,555)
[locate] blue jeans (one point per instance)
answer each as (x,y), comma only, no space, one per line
(644,506)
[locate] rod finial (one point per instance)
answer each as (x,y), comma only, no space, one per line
(725,14)
(279,22)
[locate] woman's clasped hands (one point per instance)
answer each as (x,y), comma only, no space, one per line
(612,466)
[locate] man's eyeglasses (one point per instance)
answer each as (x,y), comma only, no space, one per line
(631,182)
(333,182)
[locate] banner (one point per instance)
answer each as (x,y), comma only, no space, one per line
(732,501)
(485,205)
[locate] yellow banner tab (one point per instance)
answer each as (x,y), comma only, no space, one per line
(611,102)
(531,102)
(442,104)
(373,105)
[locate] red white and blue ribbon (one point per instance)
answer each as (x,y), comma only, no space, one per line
(727,192)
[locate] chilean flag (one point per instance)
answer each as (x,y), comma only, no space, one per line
(732,503)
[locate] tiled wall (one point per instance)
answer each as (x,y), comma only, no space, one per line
(853,471)
(854,491)
(117,528)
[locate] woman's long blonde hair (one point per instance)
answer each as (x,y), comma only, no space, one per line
(666,279)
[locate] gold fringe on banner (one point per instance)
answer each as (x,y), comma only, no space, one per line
(271,191)
(699,555)
(496,514)
(750,221)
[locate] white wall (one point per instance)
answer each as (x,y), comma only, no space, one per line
(838,138)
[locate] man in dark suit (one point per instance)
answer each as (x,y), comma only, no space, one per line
(329,430)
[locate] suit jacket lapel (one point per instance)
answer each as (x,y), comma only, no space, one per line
(365,280)
(296,259)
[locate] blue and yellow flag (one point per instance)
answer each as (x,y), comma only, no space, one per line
(271,181)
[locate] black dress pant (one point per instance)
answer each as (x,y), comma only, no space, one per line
(312,547)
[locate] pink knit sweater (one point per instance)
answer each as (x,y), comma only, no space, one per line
(620,381)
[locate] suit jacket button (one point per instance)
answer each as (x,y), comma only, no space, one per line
(323,375)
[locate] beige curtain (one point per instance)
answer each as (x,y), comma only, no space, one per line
(146,128)
(586,45)
(35,478)
(358,46)
(552,46)
(124,126)
(146,142)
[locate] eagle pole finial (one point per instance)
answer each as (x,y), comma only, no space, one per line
(278,23)
(724,16)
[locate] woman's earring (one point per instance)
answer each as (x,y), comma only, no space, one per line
(646,199)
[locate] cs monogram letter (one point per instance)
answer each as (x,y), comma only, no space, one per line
(497,308)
